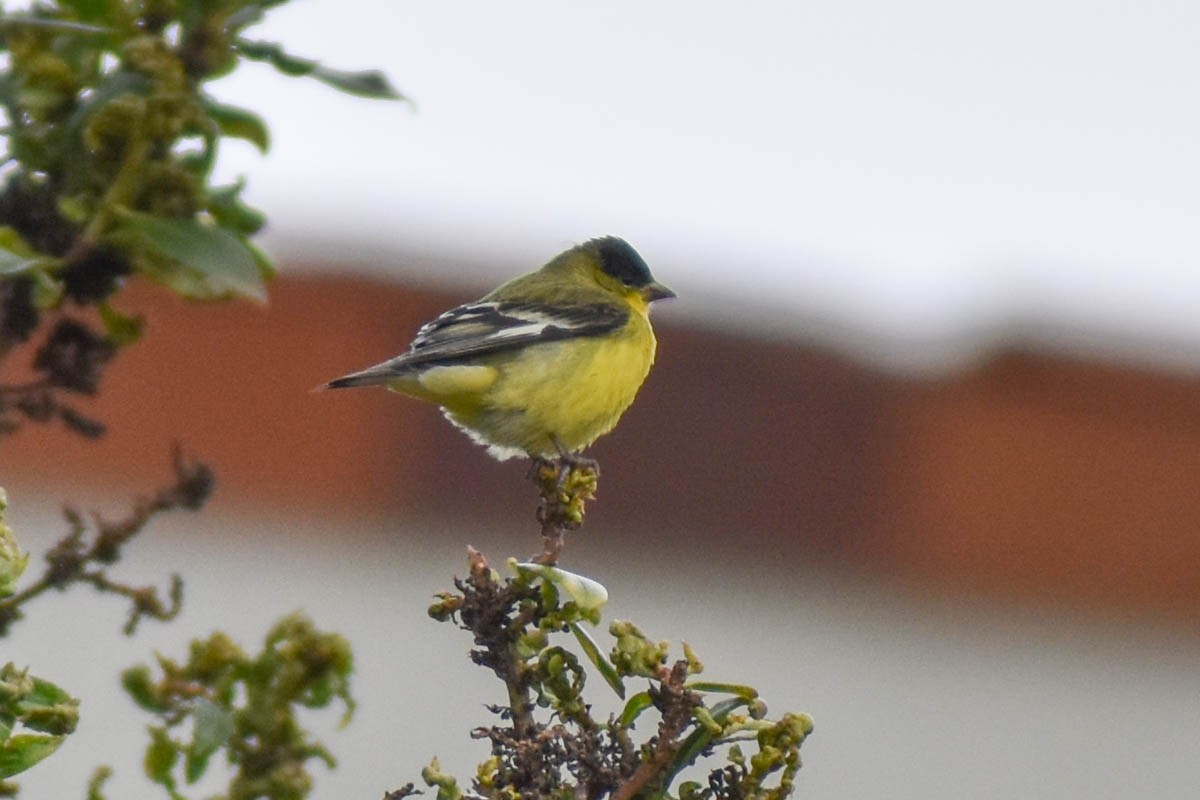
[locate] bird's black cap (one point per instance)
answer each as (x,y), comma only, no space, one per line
(621,261)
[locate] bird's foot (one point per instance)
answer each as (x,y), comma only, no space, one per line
(570,463)
(539,466)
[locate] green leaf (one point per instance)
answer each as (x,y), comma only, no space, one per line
(446,785)
(13,263)
(371,83)
(213,727)
(21,752)
(240,123)
(634,708)
(120,329)
(744,692)
(161,755)
(46,693)
(139,684)
(12,565)
(588,594)
(597,658)
(721,711)
(222,264)
(95,787)
(10,239)
(87,9)
(688,752)
(700,738)
(266,267)
(47,290)
(366,83)
(115,84)
(226,206)
(8,21)
(244,17)
(47,709)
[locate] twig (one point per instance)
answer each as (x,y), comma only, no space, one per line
(71,560)
(676,703)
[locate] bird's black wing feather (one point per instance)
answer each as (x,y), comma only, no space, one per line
(489,327)
(481,328)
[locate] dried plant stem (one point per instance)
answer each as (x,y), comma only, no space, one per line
(71,560)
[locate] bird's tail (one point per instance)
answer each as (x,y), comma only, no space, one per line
(372,376)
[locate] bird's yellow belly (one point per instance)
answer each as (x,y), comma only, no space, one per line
(573,391)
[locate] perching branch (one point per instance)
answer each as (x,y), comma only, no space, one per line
(564,486)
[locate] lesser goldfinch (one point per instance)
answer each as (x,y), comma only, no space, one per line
(543,365)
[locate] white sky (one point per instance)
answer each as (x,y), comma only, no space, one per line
(908,181)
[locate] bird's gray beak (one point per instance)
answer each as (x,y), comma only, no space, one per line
(656,291)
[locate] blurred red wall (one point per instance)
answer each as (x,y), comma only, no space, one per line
(1028,478)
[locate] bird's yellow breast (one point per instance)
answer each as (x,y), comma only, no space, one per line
(574,390)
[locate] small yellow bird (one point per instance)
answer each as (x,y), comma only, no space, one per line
(543,365)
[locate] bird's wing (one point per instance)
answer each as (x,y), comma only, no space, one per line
(488,327)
